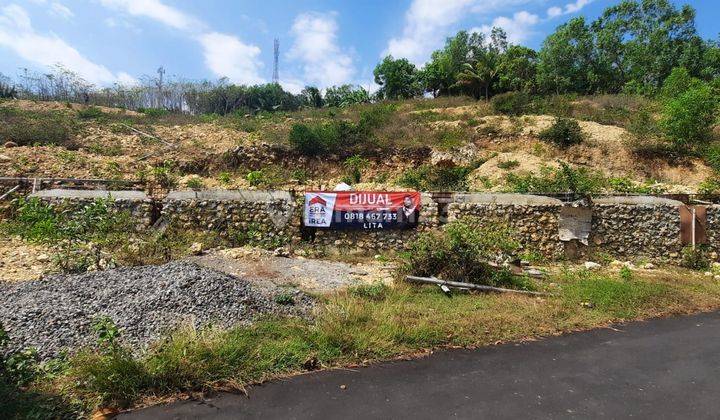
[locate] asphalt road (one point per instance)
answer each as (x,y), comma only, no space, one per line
(665,368)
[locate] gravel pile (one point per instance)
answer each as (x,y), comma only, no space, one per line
(57,312)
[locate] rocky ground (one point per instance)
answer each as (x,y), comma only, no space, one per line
(264,269)
(22,261)
(57,312)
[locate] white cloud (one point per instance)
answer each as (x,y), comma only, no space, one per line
(60,10)
(156,10)
(518,28)
(428,22)
(18,35)
(315,46)
(227,56)
(569,8)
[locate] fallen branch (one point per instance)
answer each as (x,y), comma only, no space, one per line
(9,192)
(147,135)
(457,284)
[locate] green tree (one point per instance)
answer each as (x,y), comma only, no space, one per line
(346,95)
(479,77)
(688,118)
(312,97)
(566,60)
(398,79)
(517,68)
(644,40)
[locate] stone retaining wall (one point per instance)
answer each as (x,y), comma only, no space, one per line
(272,215)
(534,219)
(636,226)
(139,205)
(378,241)
(623,227)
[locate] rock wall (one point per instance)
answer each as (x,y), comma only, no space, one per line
(534,219)
(622,227)
(636,227)
(378,240)
(142,209)
(270,217)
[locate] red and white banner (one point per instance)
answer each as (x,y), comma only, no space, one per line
(362,209)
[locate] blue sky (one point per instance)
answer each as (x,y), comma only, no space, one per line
(322,42)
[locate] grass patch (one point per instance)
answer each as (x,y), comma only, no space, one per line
(365,323)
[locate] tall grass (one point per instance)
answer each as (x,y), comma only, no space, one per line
(360,325)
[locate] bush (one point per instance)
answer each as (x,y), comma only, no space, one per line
(561,180)
(511,103)
(435,178)
(695,258)
(318,138)
(462,251)
(689,117)
(91,112)
(153,112)
(564,132)
(355,165)
(28,128)
(678,82)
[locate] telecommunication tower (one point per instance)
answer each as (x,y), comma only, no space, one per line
(276,57)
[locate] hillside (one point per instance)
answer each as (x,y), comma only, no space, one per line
(430,144)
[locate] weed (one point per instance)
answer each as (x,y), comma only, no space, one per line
(194,183)
(695,258)
(564,132)
(89,113)
(508,164)
(625,273)
(256,178)
(375,291)
(435,178)
(511,103)
(225,177)
(284,299)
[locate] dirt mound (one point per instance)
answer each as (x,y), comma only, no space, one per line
(62,106)
(491,174)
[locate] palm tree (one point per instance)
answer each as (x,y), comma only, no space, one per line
(478,77)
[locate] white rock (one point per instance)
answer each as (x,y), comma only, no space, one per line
(649,266)
(708,274)
(43,258)
(592,265)
(196,248)
(5,158)
(716,277)
(616,263)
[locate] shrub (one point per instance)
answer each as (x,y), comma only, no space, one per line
(355,165)
(154,112)
(678,82)
(462,251)
(712,156)
(37,128)
(563,179)
(91,112)
(564,132)
(225,177)
(695,258)
(318,138)
(435,178)
(511,103)
(689,117)
(33,221)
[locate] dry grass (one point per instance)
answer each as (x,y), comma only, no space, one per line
(373,323)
